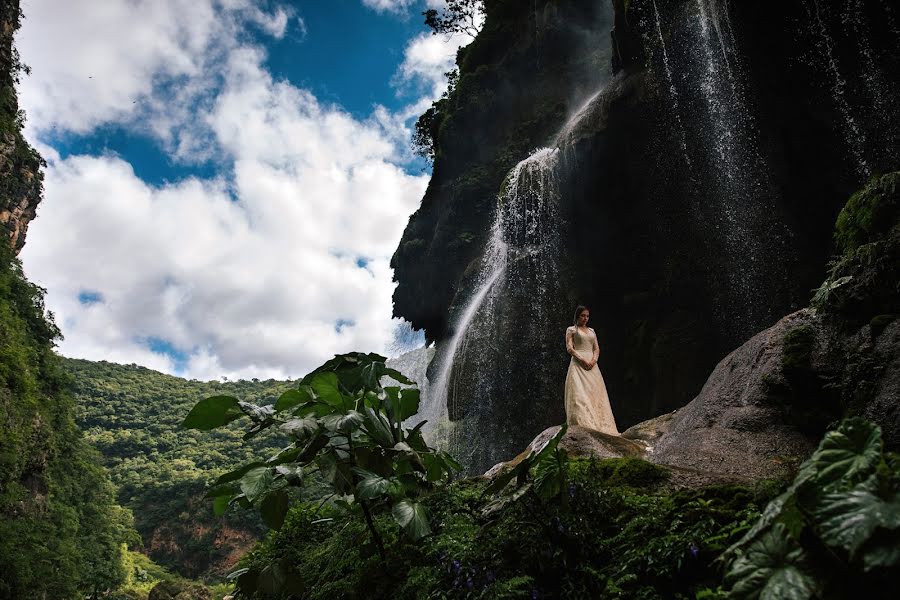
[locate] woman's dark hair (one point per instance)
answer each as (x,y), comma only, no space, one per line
(580,309)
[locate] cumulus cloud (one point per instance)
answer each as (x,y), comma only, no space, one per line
(148,64)
(264,271)
(396,6)
(426,61)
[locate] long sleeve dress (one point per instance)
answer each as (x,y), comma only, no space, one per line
(587,403)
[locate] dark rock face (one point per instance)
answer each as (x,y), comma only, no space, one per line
(517,81)
(701,188)
(20,166)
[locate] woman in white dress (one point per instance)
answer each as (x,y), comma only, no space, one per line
(587,403)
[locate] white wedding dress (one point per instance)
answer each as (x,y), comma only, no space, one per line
(587,403)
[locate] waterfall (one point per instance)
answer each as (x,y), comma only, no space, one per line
(521,262)
(733,197)
(853,136)
(673,91)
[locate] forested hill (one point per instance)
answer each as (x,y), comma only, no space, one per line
(131,415)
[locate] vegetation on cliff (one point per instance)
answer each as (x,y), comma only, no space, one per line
(131,415)
(61,532)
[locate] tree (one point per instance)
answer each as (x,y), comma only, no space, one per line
(459,16)
(347,427)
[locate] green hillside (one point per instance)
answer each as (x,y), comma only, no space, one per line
(131,415)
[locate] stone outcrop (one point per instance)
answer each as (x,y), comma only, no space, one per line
(20,165)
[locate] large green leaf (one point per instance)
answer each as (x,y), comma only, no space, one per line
(311,449)
(412,517)
(290,473)
(256,482)
(549,473)
(343,423)
(221,504)
(408,403)
(846,520)
(847,454)
(370,485)
(292,398)
(378,428)
(325,385)
(774,567)
(285,455)
(415,439)
(274,508)
(237,473)
(301,429)
(213,412)
(370,375)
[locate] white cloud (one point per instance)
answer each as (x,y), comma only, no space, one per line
(256,274)
(146,63)
(426,60)
(396,6)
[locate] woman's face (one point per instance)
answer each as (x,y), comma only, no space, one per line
(583,317)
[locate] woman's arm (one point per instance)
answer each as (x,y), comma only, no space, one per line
(596,350)
(570,347)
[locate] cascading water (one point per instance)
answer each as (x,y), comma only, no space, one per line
(732,198)
(673,91)
(519,269)
(853,135)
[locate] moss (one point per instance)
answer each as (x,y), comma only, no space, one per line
(869,214)
(622,472)
(797,349)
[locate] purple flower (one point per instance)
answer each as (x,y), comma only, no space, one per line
(470,584)
(535,595)
(694,550)
(457,567)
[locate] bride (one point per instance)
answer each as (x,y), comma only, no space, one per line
(587,403)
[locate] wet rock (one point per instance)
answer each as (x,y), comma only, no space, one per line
(578,442)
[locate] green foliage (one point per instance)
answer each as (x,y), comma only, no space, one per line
(345,425)
(869,214)
(60,529)
(458,16)
(618,539)
(862,279)
(837,528)
(131,415)
(547,466)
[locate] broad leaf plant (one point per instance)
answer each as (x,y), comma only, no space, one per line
(346,424)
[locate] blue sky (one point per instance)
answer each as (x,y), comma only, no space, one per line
(226,179)
(344,52)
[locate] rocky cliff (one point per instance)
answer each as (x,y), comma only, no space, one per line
(61,533)
(699,185)
(20,166)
